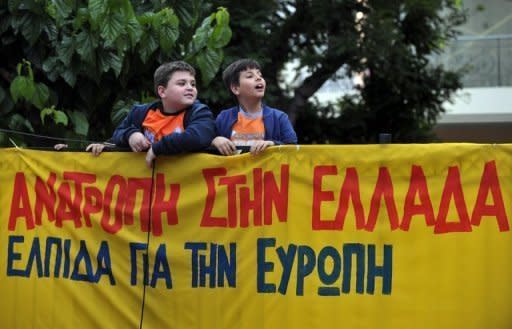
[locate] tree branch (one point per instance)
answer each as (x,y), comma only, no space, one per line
(307,89)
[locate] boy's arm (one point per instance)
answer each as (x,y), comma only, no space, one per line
(288,135)
(222,124)
(124,130)
(197,136)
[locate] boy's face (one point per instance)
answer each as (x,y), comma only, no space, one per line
(180,91)
(252,84)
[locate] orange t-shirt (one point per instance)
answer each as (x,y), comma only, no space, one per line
(248,129)
(158,124)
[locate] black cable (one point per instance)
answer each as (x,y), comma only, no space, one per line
(85,141)
(147,240)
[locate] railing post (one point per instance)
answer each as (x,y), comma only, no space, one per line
(498,43)
(384,138)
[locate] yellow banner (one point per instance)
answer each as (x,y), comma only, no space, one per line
(374,236)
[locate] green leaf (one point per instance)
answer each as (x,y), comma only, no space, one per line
(209,62)
(52,68)
(33,6)
(46,112)
(56,115)
(80,123)
(146,19)
(122,45)
(187,16)
(22,87)
(51,10)
(169,31)
(222,32)
(28,69)
(17,122)
(134,31)
(6,105)
(31,29)
(110,60)
(51,31)
(60,117)
(168,36)
(69,76)
(222,17)
(119,111)
(65,50)
(13,5)
(111,28)
(126,8)
(220,37)
(5,23)
(19,66)
(62,8)
(41,95)
(18,21)
(147,47)
(86,46)
(200,38)
(97,9)
(82,16)
(50,64)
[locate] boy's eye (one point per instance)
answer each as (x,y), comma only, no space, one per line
(253,75)
(184,83)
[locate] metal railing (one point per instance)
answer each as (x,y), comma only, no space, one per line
(487,59)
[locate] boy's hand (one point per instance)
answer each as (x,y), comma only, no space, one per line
(138,142)
(150,157)
(224,145)
(59,147)
(260,146)
(95,148)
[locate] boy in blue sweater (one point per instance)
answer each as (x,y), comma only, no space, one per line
(177,123)
(251,123)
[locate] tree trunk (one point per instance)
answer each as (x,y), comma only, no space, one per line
(308,88)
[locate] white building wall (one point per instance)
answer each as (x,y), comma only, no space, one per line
(482,111)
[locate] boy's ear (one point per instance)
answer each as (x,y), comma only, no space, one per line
(235,89)
(161,91)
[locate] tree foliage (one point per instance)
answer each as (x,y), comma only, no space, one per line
(85,62)
(73,68)
(388,43)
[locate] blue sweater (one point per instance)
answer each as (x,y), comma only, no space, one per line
(277,125)
(198,123)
